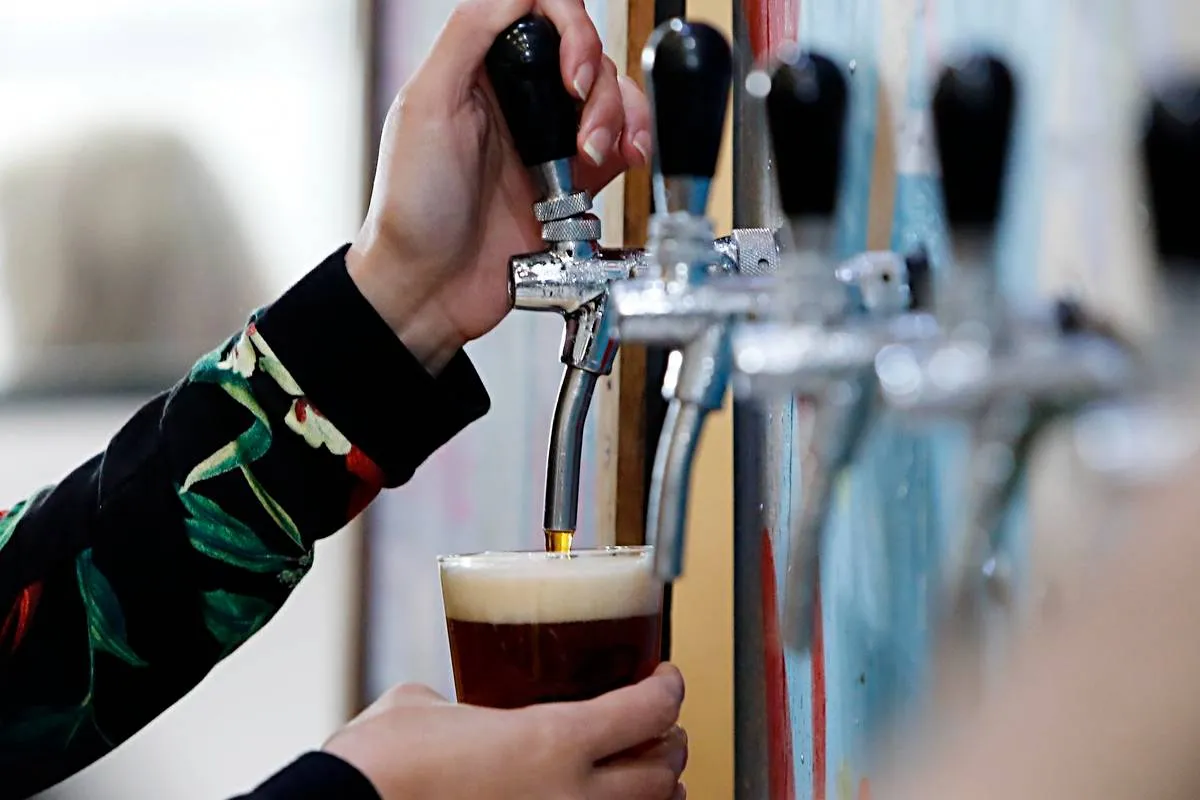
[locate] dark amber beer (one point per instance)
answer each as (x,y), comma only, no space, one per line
(538,627)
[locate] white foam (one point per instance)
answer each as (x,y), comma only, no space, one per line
(500,588)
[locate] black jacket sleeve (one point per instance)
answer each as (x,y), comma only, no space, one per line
(316,776)
(124,584)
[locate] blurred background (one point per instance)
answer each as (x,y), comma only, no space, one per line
(164,170)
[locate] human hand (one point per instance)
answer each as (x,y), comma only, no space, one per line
(413,744)
(452,200)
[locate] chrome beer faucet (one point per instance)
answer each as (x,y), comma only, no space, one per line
(679,300)
(573,275)
(1152,432)
(829,320)
(1005,375)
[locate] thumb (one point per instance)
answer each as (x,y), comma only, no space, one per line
(628,717)
(413,695)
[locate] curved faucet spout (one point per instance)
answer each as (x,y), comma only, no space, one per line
(836,422)
(666,513)
(566,448)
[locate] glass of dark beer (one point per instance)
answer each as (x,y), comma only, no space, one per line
(538,627)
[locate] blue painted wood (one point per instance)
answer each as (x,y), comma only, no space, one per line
(897,507)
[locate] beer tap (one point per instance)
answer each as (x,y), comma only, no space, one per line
(819,344)
(573,274)
(679,300)
(1152,432)
(1007,376)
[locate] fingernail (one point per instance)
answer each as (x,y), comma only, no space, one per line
(641,143)
(679,751)
(584,77)
(674,677)
(598,146)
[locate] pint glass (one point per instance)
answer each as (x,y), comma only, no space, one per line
(538,627)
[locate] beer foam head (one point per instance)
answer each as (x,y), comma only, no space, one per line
(542,588)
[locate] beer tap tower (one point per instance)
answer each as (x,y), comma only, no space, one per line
(1153,431)
(819,346)
(679,301)
(573,275)
(1004,374)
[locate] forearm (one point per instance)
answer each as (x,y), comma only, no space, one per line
(131,578)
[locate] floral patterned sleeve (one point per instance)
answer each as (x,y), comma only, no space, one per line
(124,584)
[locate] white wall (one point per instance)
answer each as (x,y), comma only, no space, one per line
(270,93)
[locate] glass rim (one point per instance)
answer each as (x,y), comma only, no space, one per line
(530,556)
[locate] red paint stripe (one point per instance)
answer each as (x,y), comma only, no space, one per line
(818,691)
(780,775)
(771,23)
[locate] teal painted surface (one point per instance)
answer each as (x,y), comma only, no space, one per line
(898,505)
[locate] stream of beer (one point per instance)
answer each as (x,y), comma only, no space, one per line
(559,541)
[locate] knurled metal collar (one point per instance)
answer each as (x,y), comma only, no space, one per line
(562,207)
(572,229)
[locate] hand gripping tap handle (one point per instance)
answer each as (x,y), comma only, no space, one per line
(1171,152)
(689,70)
(524,68)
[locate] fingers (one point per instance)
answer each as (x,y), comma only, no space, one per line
(673,746)
(643,779)
(603,117)
(580,52)
(452,67)
(627,717)
(632,148)
(635,143)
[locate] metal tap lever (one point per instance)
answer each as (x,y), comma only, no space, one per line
(1153,431)
(973,112)
(830,374)
(689,68)
(806,100)
(675,302)
(523,66)
(524,69)
(806,112)
(972,109)
(1007,377)
(1171,152)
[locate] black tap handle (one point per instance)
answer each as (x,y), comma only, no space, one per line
(688,68)
(973,109)
(1171,151)
(806,111)
(920,279)
(523,66)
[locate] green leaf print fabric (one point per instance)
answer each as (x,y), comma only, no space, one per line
(122,585)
